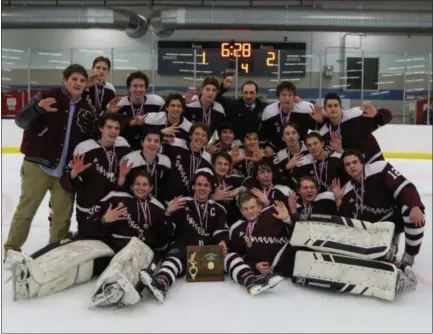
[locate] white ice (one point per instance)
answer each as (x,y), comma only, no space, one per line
(225,306)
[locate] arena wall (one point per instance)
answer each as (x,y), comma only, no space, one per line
(396,140)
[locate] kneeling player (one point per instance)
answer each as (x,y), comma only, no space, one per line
(130,228)
(199,221)
(347,255)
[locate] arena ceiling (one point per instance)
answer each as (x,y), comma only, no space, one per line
(395,5)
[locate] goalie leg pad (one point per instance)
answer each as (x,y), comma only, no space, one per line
(122,275)
(345,236)
(346,274)
(56,270)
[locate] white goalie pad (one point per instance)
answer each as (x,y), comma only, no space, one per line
(124,270)
(346,236)
(346,274)
(57,269)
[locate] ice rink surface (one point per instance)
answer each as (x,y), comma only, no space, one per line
(223,306)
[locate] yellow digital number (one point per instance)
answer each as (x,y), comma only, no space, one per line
(245,67)
(270,59)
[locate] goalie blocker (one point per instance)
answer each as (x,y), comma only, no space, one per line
(347,255)
(57,267)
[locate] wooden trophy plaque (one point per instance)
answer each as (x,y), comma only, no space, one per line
(204,264)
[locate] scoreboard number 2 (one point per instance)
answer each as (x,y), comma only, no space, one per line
(272,56)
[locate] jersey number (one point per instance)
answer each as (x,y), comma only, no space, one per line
(394,173)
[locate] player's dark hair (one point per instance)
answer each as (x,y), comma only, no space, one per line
(263,164)
(292,125)
(285,85)
(246,196)
(102,59)
(356,153)
(250,82)
(144,173)
(208,174)
(223,155)
(314,134)
(74,68)
(151,130)
(249,132)
(112,116)
(307,178)
(172,97)
(332,96)
(225,125)
(137,75)
(210,81)
(200,125)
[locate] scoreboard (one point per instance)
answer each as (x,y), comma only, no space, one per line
(259,59)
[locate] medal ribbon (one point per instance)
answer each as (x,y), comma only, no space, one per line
(207,115)
(306,211)
(139,111)
(323,167)
(202,219)
(359,198)
(111,158)
(99,97)
(193,164)
(144,208)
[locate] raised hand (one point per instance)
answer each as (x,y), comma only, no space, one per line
(47,103)
(368,110)
(268,152)
(225,194)
(78,165)
(281,211)
(170,131)
(138,120)
(237,155)
(293,201)
(416,216)
(115,214)
(317,113)
(295,161)
(228,82)
(335,143)
(112,105)
(223,247)
(176,204)
(94,78)
(261,194)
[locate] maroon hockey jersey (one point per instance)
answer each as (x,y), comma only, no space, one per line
(356,133)
(99,179)
(98,97)
(324,204)
(160,120)
(260,240)
(184,163)
(213,117)
(200,223)
(132,133)
(382,188)
(144,219)
(323,171)
(273,120)
(277,192)
(158,171)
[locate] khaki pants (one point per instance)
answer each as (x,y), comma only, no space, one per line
(34,185)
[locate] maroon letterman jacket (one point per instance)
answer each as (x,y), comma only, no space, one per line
(44,132)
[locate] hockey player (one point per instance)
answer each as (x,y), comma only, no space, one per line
(261,234)
(157,165)
(245,157)
(93,172)
(171,121)
(263,186)
(185,159)
(226,141)
(136,106)
(99,94)
(200,221)
(289,157)
(227,187)
(206,109)
(310,200)
(286,109)
(129,227)
(320,163)
(354,127)
(373,193)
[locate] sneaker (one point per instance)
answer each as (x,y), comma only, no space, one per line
(406,280)
(156,287)
(260,283)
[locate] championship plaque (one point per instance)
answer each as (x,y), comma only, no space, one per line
(204,264)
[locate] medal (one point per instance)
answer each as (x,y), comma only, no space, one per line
(112,162)
(146,226)
(202,220)
(249,233)
(249,244)
(144,208)
(110,176)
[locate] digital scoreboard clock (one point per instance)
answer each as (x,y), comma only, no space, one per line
(258,59)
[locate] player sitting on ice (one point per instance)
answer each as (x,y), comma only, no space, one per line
(200,221)
(373,193)
(345,255)
(120,238)
(309,201)
(260,236)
